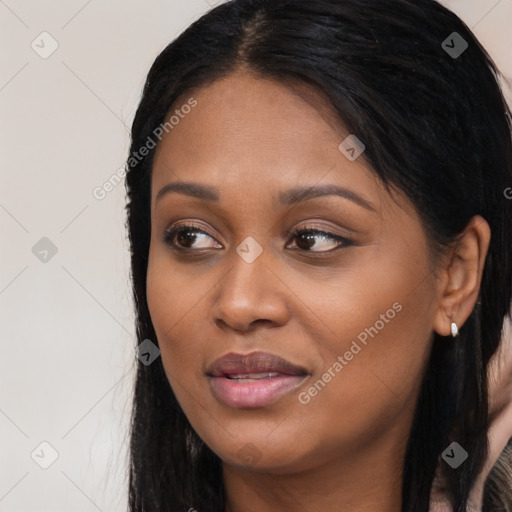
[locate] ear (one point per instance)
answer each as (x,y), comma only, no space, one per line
(461,275)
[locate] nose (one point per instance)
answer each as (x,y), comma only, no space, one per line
(250,294)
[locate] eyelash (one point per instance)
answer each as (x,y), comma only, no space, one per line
(344,242)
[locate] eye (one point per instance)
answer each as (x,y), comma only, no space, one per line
(308,237)
(185,235)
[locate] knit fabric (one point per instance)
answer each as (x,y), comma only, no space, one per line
(444,506)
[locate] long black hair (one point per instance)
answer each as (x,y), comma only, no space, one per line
(435,125)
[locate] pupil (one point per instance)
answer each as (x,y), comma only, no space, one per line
(184,235)
(309,238)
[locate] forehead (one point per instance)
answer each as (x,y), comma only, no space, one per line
(254,130)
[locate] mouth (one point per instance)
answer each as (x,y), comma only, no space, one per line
(253,380)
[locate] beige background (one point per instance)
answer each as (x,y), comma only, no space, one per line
(67,324)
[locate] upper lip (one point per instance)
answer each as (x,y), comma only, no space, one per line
(255,362)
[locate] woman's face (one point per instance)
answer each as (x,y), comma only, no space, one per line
(350,309)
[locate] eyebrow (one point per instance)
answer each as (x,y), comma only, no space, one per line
(288,197)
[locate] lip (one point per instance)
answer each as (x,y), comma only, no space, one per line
(234,381)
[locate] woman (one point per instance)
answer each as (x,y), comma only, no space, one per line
(321,251)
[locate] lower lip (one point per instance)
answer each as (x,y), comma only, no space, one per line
(250,395)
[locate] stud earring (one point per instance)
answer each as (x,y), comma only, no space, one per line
(455,330)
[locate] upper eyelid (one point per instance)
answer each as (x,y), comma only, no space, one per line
(314,229)
(289,232)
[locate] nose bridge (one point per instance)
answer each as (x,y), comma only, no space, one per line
(246,279)
(249,291)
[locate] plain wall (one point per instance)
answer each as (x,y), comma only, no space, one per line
(67,334)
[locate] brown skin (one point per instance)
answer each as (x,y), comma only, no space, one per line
(252,138)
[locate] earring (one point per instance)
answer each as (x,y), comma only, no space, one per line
(455,330)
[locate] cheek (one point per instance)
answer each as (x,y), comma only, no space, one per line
(166,307)
(178,310)
(174,296)
(374,352)
(387,331)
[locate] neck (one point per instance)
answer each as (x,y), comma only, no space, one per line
(362,482)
